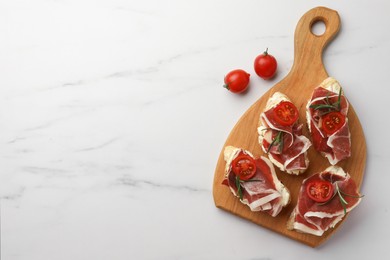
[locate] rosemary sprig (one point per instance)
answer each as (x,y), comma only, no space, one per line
(278,140)
(336,106)
(327,99)
(251,180)
(238,185)
(343,202)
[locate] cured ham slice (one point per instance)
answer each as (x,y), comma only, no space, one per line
(263,192)
(327,98)
(284,143)
(315,218)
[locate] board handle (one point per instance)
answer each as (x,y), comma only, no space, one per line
(307,44)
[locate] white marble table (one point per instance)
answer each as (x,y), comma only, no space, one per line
(112,117)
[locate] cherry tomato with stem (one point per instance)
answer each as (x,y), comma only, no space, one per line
(236,81)
(265,65)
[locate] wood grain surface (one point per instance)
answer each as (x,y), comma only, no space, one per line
(306,73)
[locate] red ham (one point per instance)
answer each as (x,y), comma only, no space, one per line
(315,218)
(334,146)
(263,192)
(290,154)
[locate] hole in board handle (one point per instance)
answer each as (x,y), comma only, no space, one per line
(318,28)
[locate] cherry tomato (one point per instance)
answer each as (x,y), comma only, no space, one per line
(244,166)
(286,113)
(332,122)
(319,190)
(265,65)
(237,81)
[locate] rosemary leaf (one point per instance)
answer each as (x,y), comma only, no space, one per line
(271,144)
(352,196)
(344,207)
(327,98)
(238,184)
(335,106)
(251,180)
(341,197)
(277,140)
(342,200)
(339,100)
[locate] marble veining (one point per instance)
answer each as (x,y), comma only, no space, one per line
(139,183)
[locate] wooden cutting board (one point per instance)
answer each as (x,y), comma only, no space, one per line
(306,73)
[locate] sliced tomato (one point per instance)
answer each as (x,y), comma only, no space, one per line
(332,122)
(319,190)
(244,166)
(286,113)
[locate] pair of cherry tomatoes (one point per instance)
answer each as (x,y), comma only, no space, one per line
(265,65)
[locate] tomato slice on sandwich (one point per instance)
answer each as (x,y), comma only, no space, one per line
(286,113)
(319,190)
(332,122)
(244,166)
